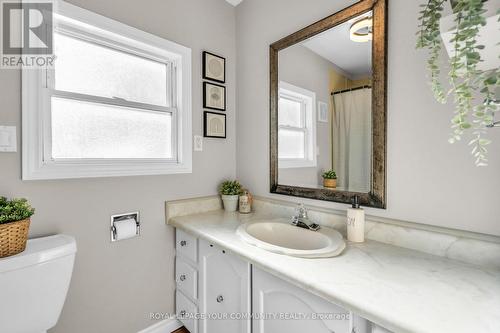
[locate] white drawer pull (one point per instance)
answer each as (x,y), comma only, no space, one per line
(220,299)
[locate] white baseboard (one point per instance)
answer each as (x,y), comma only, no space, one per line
(164,326)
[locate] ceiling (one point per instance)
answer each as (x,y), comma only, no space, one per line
(234,2)
(354,59)
(335,46)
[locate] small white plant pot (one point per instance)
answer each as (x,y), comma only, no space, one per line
(230,202)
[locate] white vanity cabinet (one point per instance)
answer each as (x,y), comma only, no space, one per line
(217,291)
(282,307)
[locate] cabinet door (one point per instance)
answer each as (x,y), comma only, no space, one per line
(281,307)
(378,329)
(224,288)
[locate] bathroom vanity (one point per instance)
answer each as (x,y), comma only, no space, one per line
(226,289)
(377,286)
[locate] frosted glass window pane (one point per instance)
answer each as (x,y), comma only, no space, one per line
(289,113)
(88,68)
(89,130)
(291,144)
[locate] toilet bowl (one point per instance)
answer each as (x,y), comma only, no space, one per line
(34,284)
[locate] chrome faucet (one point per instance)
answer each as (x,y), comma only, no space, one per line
(301,220)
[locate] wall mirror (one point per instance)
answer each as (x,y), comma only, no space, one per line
(328,107)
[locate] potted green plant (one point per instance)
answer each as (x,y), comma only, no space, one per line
(330,179)
(230,191)
(473,89)
(14,225)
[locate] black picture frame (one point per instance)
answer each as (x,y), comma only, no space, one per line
(204,67)
(205,106)
(205,123)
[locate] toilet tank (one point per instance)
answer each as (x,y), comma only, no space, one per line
(34,283)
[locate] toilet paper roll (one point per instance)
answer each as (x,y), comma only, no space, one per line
(125,229)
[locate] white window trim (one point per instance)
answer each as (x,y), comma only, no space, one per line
(34,99)
(310,160)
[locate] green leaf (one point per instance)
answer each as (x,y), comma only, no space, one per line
(490,80)
(484,142)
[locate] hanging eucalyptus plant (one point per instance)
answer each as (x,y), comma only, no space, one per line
(465,79)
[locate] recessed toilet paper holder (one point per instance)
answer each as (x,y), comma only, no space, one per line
(122,217)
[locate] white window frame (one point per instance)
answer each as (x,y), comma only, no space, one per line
(37,89)
(308,101)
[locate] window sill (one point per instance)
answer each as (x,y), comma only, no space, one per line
(95,170)
(289,164)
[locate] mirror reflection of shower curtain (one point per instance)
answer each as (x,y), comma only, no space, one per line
(352,139)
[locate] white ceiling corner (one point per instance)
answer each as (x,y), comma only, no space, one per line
(234,2)
(336,46)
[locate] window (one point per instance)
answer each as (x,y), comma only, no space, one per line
(296,127)
(116,103)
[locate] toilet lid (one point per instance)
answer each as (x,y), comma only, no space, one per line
(39,250)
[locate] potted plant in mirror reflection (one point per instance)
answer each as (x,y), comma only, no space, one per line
(466,80)
(15,217)
(329,179)
(230,191)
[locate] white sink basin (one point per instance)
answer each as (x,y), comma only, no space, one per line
(282,237)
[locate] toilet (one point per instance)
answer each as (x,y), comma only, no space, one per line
(34,284)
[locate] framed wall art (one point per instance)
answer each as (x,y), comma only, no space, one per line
(214,125)
(214,96)
(322,112)
(214,67)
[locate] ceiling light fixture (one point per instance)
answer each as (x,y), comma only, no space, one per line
(361,31)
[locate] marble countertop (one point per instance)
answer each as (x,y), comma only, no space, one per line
(399,289)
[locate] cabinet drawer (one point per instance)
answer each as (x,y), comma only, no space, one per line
(186,312)
(186,245)
(186,278)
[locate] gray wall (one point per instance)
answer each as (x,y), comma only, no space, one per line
(429,181)
(116,286)
(305,69)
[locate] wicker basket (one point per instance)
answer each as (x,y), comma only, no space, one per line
(330,183)
(13,237)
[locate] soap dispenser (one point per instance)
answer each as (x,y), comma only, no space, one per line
(355,222)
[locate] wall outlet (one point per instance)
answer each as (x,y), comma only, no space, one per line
(198,143)
(8,139)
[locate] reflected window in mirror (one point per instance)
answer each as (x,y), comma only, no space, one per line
(296,127)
